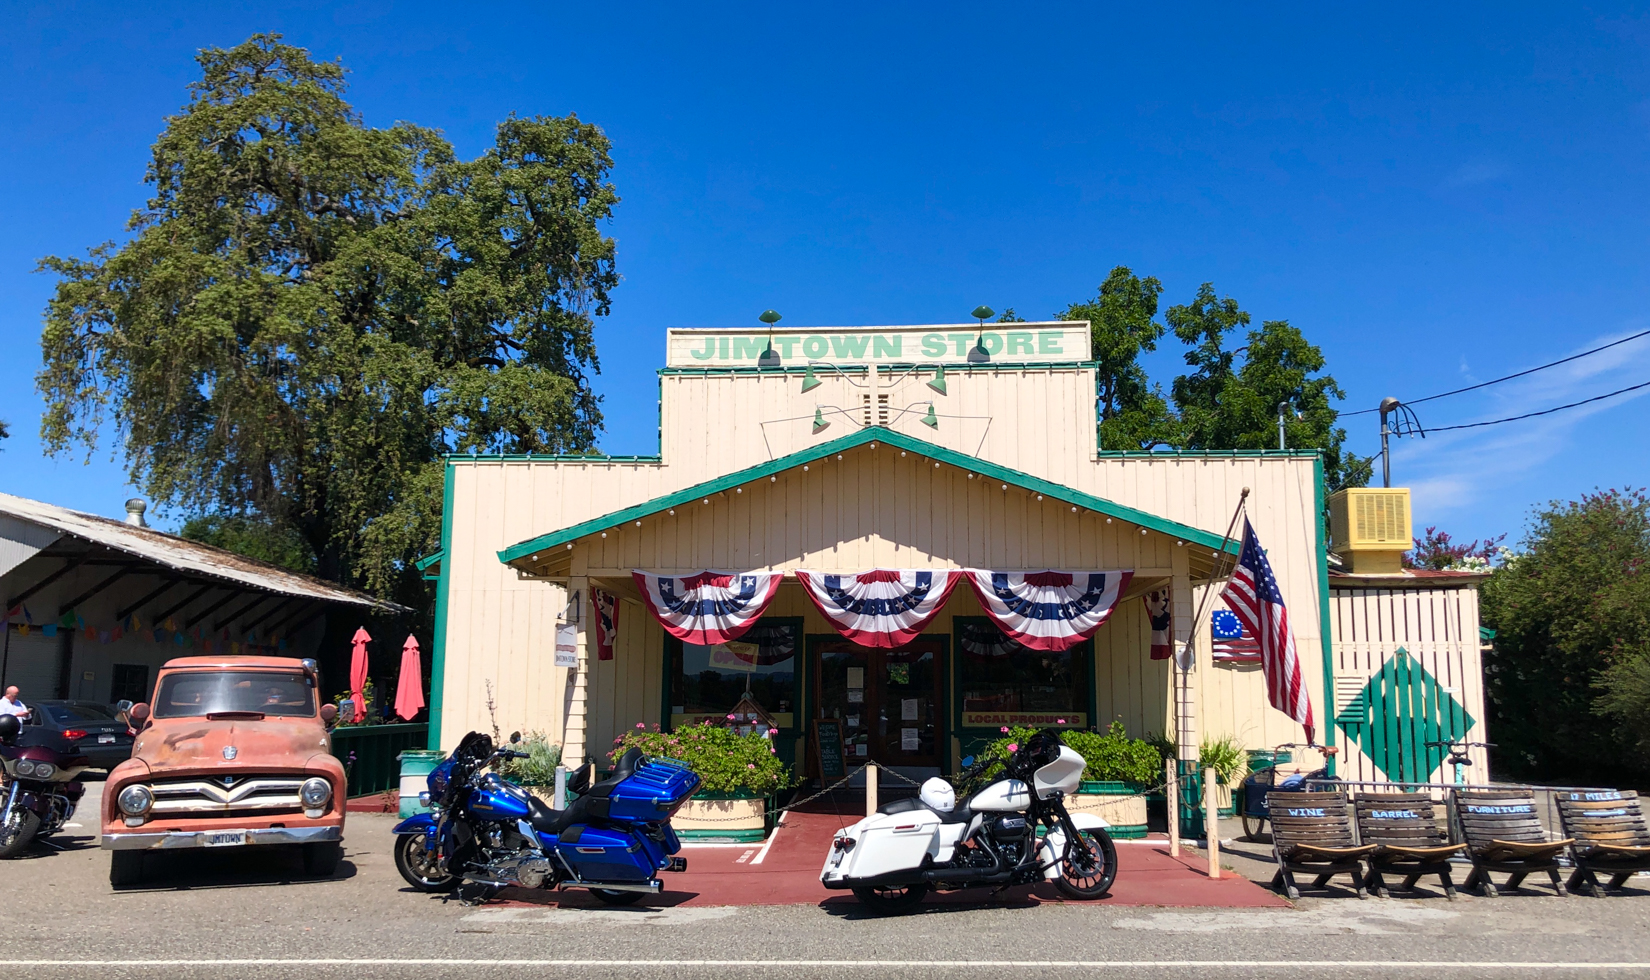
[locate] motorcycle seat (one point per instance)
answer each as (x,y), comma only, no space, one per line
(591,805)
(958,814)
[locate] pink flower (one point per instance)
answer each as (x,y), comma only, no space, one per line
(641,724)
(1059,721)
(773,731)
(1003,729)
(1014,747)
(750,765)
(732,718)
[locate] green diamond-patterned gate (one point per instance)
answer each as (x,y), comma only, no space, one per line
(1395,715)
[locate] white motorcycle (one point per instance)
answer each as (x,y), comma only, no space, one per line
(892,859)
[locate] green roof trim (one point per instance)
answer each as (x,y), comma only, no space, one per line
(898,440)
(429,560)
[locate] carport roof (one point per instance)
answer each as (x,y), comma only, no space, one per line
(899,440)
(181,555)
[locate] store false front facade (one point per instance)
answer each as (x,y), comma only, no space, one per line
(858,508)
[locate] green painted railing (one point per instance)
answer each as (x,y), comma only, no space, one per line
(376,767)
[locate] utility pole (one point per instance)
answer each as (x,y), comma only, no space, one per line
(1388,406)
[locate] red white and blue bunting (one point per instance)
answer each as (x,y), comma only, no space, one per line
(1048,610)
(710,607)
(883,608)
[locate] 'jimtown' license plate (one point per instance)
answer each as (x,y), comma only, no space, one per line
(228,838)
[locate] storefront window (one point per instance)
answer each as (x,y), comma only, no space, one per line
(1004,683)
(710,681)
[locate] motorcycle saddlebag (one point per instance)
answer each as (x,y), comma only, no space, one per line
(604,854)
(657,789)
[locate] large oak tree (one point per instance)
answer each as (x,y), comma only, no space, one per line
(309,312)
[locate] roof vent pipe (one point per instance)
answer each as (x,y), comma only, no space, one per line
(134,512)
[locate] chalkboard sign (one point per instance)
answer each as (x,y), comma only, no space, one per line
(828,749)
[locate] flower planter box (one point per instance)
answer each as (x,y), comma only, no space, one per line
(1114,803)
(723,817)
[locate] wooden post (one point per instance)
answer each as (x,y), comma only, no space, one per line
(1171,793)
(1211,820)
(870,790)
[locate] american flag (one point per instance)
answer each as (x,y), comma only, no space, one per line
(1253,597)
(1231,643)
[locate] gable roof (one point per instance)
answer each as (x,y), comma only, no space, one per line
(899,440)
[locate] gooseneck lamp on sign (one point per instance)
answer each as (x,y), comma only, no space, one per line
(770,358)
(979,355)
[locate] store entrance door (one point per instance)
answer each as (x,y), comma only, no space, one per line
(891,702)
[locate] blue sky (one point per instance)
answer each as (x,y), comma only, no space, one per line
(1437,196)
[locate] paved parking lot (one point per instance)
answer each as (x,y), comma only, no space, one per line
(202,909)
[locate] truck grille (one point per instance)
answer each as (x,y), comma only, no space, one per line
(222,795)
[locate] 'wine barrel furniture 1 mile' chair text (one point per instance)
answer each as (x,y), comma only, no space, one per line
(1312,834)
(1610,837)
(1408,839)
(1504,834)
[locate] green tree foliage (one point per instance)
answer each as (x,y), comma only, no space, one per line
(309,311)
(1569,676)
(253,537)
(1232,403)
(1122,317)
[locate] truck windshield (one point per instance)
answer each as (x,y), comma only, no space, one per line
(191,695)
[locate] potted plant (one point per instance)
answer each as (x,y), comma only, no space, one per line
(537,772)
(739,776)
(1226,756)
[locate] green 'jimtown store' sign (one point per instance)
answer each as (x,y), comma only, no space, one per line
(1017,343)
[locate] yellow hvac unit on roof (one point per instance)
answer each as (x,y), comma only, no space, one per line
(1369,528)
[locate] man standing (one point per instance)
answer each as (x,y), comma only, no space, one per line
(9,705)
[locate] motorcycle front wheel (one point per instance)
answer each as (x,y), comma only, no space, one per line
(1089,867)
(419,866)
(17,831)
(891,901)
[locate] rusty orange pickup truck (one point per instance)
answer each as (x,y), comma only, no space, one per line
(234,752)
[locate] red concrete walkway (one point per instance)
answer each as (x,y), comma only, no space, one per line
(786,872)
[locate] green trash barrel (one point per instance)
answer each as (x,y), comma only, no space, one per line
(416,766)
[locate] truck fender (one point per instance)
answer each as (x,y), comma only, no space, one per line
(419,823)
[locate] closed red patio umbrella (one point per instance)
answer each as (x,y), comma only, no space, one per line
(358,672)
(409,693)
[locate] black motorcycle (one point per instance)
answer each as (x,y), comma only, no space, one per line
(41,789)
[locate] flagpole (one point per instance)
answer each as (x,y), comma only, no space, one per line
(1187,657)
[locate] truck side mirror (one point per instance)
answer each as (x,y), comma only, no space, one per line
(139,713)
(329,715)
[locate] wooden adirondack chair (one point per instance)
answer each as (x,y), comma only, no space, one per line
(1312,834)
(1504,834)
(1610,836)
(1408,840)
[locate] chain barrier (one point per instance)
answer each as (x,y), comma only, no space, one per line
(776,811)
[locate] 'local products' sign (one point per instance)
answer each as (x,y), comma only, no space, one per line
(1034,719)
(1005,343)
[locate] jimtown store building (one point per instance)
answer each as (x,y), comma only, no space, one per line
(885,459)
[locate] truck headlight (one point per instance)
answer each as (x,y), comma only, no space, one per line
(135,800)
(315,793)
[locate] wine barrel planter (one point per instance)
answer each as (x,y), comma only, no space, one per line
(1116,803)
(723,816)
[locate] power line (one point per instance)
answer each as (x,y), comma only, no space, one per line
(1486,384)
(1547,411)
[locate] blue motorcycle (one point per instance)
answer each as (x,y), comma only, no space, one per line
(613,838)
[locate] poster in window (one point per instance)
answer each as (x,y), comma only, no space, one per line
(908,709)
(856,695)
(909,739)
(856,677)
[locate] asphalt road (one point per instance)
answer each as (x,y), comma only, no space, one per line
(252,913)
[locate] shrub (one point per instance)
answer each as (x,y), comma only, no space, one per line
(725,761)
(539,768)
(1111,757)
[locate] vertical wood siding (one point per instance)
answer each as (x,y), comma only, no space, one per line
(1439,629)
